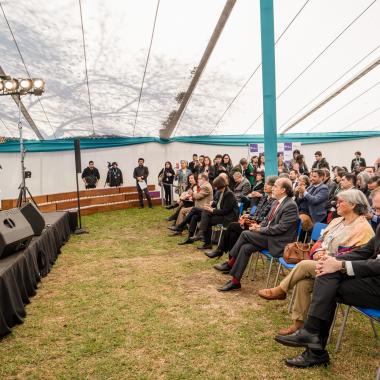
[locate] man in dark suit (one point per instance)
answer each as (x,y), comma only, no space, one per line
(223,210)
(320,162)
(277,230)
(140,174)
(316,195)
(353,279)
(240,168)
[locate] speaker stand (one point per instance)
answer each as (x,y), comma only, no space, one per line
(80,230)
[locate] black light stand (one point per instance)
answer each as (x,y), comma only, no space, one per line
(23,188)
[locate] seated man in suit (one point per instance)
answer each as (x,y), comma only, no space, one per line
(277,230)
(242,189)
(234,230)
(353,279)
(201,198)
(316,196)
(224,210)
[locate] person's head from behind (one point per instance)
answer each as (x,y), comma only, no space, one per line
(225,178)
(238,177)
(348,181)
(140,161)
(269,182)
(326,176)
(376,201)
(244,163)
(168,165)
(219,183)
(296,153)
(318,155)
(373,183)
(91,164)
(370,170)
(362,180)
(202,179)
(259,176)
(317,176)
(226,159)
(218,159)
(350,202)
(304,180)
(282,188)
(183,164)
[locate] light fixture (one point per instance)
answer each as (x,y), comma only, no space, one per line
(22,86)
(39,86)
(10,85)
(26,85)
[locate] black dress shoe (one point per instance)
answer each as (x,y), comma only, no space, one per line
(229,286)
(214,254)
(301,338)
(223,267)
(170,207)
(176,233)
(309,359)
(205,246)
(173,228)
(197,237)
(187,241)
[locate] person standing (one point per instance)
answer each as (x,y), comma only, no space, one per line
(166,178)
(358,162)
(114,176)
(140,174)
(90,176)
(320,162)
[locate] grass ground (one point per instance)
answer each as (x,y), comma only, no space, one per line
(126,302)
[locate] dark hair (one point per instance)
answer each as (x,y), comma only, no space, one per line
(194,154)
(374,179)
(300,159)
(243,161)
(202,155)
(219,183)
(261,155)
(90,162)
(188,179)
(287,185)
(229,158)
(350,177)
(359,153)
(260,172)
(370,167)
(204,161)
(219,156)
(141,159)
(320,172)
(318,153)
(296,151)
(170,164)
(114,163)
(306,179)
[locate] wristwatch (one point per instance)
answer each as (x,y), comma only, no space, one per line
(343,269)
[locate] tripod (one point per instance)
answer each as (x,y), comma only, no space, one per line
(23,188)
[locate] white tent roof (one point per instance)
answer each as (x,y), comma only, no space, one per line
(322,45)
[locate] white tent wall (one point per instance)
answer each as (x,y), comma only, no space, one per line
(53,172)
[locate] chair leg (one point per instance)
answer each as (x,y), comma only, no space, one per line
(291,301)
(374,329)
(220,236)
(277,275)
(341,332)
(269,272)
(249,266)
(332,325)
(255,267)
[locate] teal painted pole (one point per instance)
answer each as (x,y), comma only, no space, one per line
(269,86)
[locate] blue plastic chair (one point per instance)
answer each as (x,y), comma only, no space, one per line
(372,314)
(317,231)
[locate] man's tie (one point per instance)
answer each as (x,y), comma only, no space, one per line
(273,212)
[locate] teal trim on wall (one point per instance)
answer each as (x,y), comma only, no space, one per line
(12,146)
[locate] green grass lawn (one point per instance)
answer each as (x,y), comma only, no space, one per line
(126,302)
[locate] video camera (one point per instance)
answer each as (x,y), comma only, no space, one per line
(109,165)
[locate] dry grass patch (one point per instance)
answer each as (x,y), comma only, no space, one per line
(126,302)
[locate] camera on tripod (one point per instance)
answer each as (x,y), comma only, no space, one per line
(28,174)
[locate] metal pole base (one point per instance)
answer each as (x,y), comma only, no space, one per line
(80,231)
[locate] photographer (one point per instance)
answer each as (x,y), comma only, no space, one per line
(91,176)
(114,175)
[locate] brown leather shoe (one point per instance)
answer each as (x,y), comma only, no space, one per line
(291,329)
(272,294)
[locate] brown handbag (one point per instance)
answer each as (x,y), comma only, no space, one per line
(296,252)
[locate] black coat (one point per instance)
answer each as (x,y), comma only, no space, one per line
(228,206)
(168,176)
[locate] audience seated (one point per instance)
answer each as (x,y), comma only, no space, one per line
(303,204)
(353,279)
(234,230)
(342,235)
(257,189)
(242,189)
(277,230)
(240,168)
(223,210)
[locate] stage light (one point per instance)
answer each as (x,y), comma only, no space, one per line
(39,86)
(10,85)
(1,85)
(26,85)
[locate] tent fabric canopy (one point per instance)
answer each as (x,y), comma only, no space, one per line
(321,46)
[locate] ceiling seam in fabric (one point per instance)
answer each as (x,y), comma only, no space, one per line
(85,65)
(256,69)
(360,119)
(146,66)
(328,87)
(26,69)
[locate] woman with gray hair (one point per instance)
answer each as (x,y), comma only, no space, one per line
(350,230)
(362,183)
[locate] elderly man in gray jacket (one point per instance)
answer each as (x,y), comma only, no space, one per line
(242,187)
(277,230)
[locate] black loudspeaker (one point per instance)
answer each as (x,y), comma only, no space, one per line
(15,232)
(78,163)
(34,217)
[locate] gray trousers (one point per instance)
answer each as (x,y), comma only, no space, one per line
(248,242)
